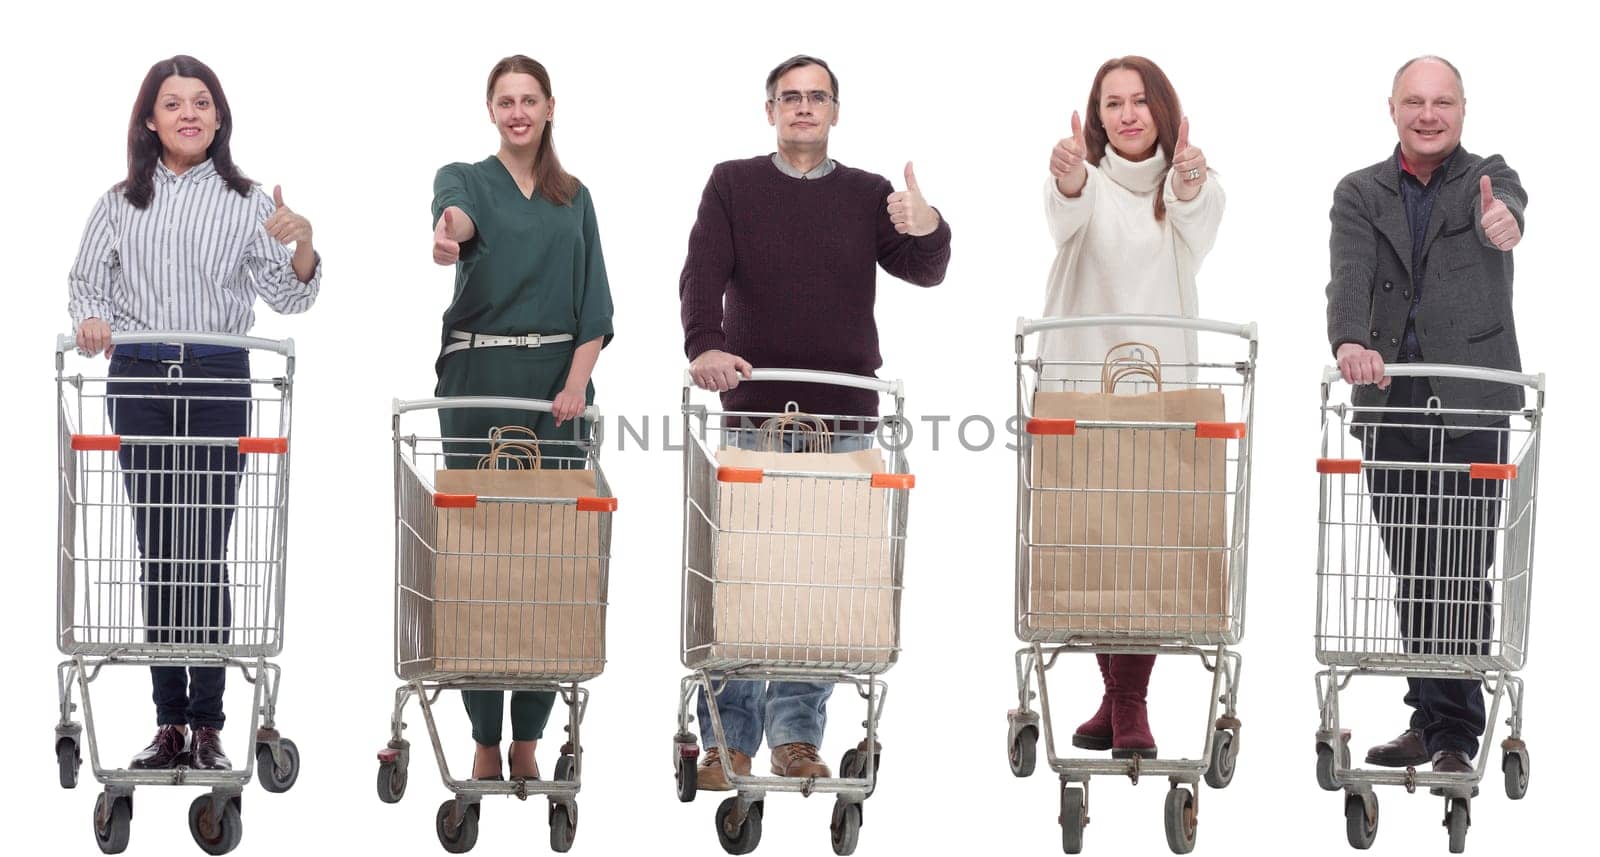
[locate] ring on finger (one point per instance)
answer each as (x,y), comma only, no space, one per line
(1192,175)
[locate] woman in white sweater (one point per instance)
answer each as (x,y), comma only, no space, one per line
(1130,232)
(1132,221)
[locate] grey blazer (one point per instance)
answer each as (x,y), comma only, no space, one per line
(1465,317)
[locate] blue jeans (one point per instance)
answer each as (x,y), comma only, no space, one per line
(787,711)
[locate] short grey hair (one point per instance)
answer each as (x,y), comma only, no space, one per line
(1447,64)
(799,61)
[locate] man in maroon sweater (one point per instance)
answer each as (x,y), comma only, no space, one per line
(782,273)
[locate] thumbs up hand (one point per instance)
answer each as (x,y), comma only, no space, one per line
(909,212)
(284,225)
(1499,227)
(446,249)
(1188,165)
(1066,161)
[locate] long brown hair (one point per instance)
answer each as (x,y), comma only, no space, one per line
(549,179)
(1162,100)
(144,145)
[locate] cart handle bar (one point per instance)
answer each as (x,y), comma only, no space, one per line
(113,442)
(1027,326)
(402,406)
(1475,470)
(470,501)
(754,475)
(1202,430)
(1448,370)
(895,387)
(67,342)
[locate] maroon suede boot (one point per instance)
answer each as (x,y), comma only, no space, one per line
(1095,733)
(1130,724)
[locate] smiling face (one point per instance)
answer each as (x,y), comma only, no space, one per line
(520,109)
(806,124)
(185,119)
(1428,108)
(1125,113)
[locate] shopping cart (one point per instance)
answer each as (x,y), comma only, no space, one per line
(152,572)
(1382,617)
(790,575)
(496,593)
(1182,539)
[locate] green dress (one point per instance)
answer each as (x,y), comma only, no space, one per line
(532,267)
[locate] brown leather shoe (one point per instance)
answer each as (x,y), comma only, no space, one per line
(710,777)
(207,752)
(798,760)
(1403,752)
(170,746)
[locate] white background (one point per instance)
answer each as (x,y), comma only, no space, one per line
(352,110)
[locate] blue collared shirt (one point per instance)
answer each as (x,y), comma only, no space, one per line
(1418,199)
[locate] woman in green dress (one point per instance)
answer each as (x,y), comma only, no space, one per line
(530,313)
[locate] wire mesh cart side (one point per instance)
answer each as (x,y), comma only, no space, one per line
(1426,514)
(1132,533)
(173,490)
(502,570)
(793,563)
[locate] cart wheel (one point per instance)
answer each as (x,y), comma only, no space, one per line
(853,766)
(1325,775)
(68,759)
(1024,752)
(1515,766)
(1181,821)
(273,778)
(1457,818)
(749,834)
(1072,819)
(215,834)
(563,826)
(1357,828)
(846,826)
(688,778)
(1224,754)
(391,782)
(460,839)
(113,838)
(566,768)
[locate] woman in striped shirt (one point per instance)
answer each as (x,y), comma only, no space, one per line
(184,243)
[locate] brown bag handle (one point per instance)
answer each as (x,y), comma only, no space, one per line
(1125,367)
(513,445)
(809,432)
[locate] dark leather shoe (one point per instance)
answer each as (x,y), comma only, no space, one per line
(207,752)
(1403,752)
(167,750)
(1452,762)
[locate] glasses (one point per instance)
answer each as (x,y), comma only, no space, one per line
(793,99)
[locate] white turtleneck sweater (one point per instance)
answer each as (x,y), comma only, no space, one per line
(1113,256)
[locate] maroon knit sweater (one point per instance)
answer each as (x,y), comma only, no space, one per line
(783,272)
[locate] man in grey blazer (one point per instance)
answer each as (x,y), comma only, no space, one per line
(1421,271)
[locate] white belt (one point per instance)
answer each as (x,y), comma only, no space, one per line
(465,340)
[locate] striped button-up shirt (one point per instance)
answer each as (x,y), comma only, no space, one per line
(195,259)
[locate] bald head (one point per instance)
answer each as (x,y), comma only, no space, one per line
(1430,60)
(1428,109)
